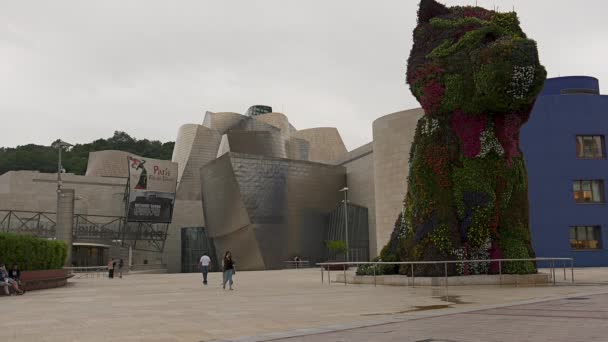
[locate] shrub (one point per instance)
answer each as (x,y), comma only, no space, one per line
(31,253)
(336,246)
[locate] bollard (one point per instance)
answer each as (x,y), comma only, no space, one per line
(446,281)
(572,269)
(322,274)
(412,275)
(500,272)
(344,274)
(375,275)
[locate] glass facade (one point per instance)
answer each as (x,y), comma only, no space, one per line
(258,110)
(585,237)
(358,232)
(195,242)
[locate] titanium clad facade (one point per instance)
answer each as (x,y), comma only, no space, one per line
(270,209)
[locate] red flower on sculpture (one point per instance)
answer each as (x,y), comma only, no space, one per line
(469,129)
(427,78)
(507,132)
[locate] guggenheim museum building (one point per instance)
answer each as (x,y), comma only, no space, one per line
(259,187)
(250,183)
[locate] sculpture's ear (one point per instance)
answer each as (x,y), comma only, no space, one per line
(429,9)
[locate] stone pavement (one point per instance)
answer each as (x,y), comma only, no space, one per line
(583,318)
(176,307)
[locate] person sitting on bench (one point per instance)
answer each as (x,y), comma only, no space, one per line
(4,278)
(15,274)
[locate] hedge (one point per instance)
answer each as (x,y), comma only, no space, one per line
(31,253)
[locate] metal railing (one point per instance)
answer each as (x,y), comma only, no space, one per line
(88,271)
(551,262)
(297,264)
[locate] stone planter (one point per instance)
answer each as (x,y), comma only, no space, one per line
(44,279)
(493,279)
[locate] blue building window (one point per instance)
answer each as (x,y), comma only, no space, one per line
(590,147)
(588,191)
(585,237)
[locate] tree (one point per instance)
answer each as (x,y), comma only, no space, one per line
(44,158)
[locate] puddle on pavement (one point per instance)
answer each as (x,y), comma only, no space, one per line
(416,309)
(451,301)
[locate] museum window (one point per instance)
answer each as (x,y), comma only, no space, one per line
(588,191)
(590,147)
(585,237)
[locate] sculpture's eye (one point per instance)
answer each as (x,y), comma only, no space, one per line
(489,38)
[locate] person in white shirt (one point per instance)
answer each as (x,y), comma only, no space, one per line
(204,264)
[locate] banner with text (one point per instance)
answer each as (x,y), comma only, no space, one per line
(152,189)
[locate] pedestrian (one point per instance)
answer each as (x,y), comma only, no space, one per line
(15,274)
(229,270)
(4,278)
(121,264)
(204,264)
(297,261)
(111,268)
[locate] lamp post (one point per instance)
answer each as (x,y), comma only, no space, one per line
(64,220)
(345,190)
(59,145)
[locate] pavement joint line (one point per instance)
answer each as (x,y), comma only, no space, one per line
(396,319)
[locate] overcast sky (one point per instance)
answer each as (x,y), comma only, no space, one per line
(79,70)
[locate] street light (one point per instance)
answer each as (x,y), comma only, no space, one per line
(59,145)
(345,190)
(62,232)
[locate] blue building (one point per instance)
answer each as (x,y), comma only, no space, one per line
(565,151)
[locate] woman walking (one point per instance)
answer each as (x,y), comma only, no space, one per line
(121,264)
(229,270)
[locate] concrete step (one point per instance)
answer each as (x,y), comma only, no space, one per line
(147,267)
(150,271)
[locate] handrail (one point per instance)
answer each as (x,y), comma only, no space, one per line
(435,262)
(297,264)
(345,265)
(88,270)
(85,267)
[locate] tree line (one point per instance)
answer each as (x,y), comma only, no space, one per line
(44,158)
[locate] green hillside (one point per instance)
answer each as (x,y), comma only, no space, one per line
(44,158)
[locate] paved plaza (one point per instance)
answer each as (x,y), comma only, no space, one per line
(276,304)
(582,318)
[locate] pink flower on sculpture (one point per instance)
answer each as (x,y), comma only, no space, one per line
(469,129)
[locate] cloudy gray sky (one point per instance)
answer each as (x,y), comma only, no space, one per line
(79,70)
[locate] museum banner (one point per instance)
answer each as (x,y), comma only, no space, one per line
(152,185)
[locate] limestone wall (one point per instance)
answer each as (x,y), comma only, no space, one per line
(35,191)
(393,135)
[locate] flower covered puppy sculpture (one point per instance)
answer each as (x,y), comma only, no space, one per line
(476,75)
